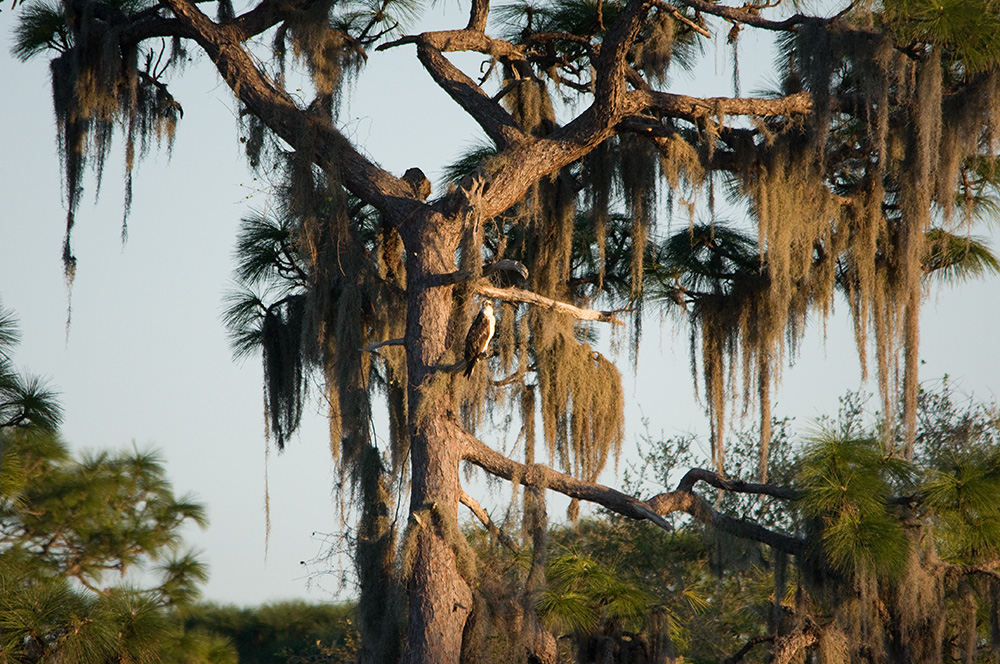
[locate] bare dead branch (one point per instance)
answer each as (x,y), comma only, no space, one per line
(521,295)
(653,510)
(388,342)
(485,519)
(696,475)
(678,16)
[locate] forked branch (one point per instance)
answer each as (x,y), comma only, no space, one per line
(494,120)
(653,510)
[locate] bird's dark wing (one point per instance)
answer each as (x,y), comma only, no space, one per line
(475,341)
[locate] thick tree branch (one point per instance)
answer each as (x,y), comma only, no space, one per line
(306,132)
(495,121)
(149,23)
(654,509)
(667,104)
(611,63)
(745,16)
(521,295)
(543,477)
(695,475)
(450,41)
(695,505)
(524,162)
(478,15)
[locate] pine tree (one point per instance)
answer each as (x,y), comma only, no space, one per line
(856,174)
(71,529)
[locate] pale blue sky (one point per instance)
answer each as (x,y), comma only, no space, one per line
(147,359)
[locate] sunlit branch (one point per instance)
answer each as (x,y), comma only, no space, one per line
(450,41)
(521,295)
(611,63)
(494,120)
(543,477)
(478,14)
(692,108)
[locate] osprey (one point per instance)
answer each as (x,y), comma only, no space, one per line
(480,334)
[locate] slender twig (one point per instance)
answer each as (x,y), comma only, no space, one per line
(484,517)
(388,342)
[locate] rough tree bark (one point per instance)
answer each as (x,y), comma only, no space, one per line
(439,597)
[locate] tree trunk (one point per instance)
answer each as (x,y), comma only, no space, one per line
(440,599)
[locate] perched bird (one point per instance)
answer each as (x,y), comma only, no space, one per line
(480,334)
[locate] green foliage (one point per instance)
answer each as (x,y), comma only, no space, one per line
(899,555)
(967,28)
(582,594)
(958,258)
(846,485)
(99,514)
(42,27)
(69,527)
(25,400)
